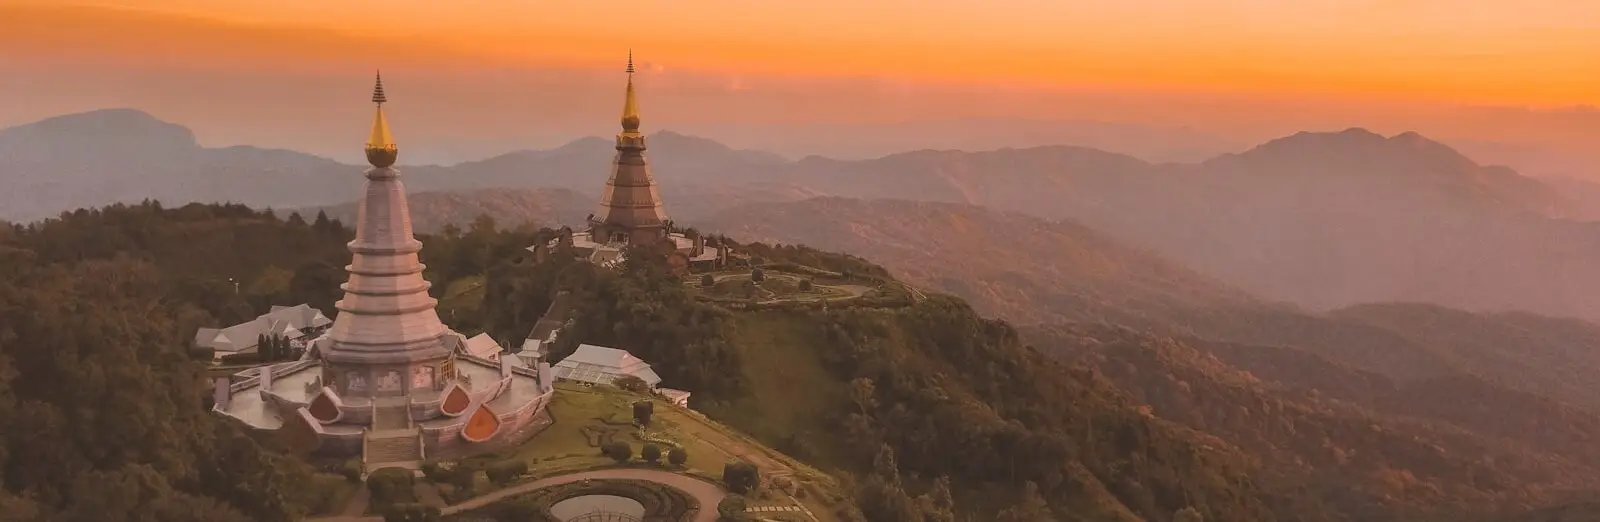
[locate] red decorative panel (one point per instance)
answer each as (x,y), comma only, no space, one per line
(481,426)
(324,408)
(456,401)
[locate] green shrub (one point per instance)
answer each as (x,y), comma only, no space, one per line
(506,472)
(449,493)
(327,493)
(758,275)
(351,470)
(805,285)
(521,509)
(741,477)
(707,280)
(677,457)
(632,384)
(650,453)
(410,512)
(731,509)
(430,471)
(619,451)
(389,485)
(240,358)
(463,476)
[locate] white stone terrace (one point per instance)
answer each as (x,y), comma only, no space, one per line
(248,404)
(584,241)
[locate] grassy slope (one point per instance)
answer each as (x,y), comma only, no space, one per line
(794,400)
(790,394)
(566,447)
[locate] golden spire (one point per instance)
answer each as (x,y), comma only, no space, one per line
(630,106)
(381,150)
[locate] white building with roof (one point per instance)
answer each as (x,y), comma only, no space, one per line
(482,345)
(678,397)
(296,323)
(592,364)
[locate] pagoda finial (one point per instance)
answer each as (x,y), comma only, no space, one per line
(630,106)
(381,150)
(377,92)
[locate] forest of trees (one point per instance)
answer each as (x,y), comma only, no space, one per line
(1040,441)
(102,405)
(101,415)
(945,416)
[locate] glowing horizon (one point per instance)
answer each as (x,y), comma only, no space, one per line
(1536,53)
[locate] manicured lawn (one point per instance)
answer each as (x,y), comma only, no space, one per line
(587,416)
(776,285)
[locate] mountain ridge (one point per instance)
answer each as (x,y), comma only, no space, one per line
(1398,218)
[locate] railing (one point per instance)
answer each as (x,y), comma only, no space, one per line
(422,449)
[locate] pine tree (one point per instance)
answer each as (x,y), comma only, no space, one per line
(1031,507)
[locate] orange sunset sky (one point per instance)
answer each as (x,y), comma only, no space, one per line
(523,73)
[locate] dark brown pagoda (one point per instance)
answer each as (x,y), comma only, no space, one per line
(630,208)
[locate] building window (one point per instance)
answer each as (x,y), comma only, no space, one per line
(389,382)
(422,378)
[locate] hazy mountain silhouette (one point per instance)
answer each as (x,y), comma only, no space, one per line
(101,157)
(123,155)
(865,141)
(1320,219)
(1014,265)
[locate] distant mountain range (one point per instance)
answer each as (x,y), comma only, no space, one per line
(1269,300)
(1323,220)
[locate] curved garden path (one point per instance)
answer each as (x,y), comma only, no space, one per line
(708,494)
(853,291)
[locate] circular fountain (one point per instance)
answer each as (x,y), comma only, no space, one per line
(598,508)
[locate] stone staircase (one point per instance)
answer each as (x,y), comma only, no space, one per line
(391,416)
(392,449)
(393,441)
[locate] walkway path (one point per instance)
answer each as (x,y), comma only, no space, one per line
(708,494)
(357,504)
(852,291)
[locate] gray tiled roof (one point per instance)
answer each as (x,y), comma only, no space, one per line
(598,364)
(301,316)
(483,346)
(288,321)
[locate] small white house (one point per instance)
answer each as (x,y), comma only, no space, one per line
(592,364)
(678,397)
(483,346)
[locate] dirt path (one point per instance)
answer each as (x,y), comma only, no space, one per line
(357,505)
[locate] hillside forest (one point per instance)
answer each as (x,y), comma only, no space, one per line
(928,410)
